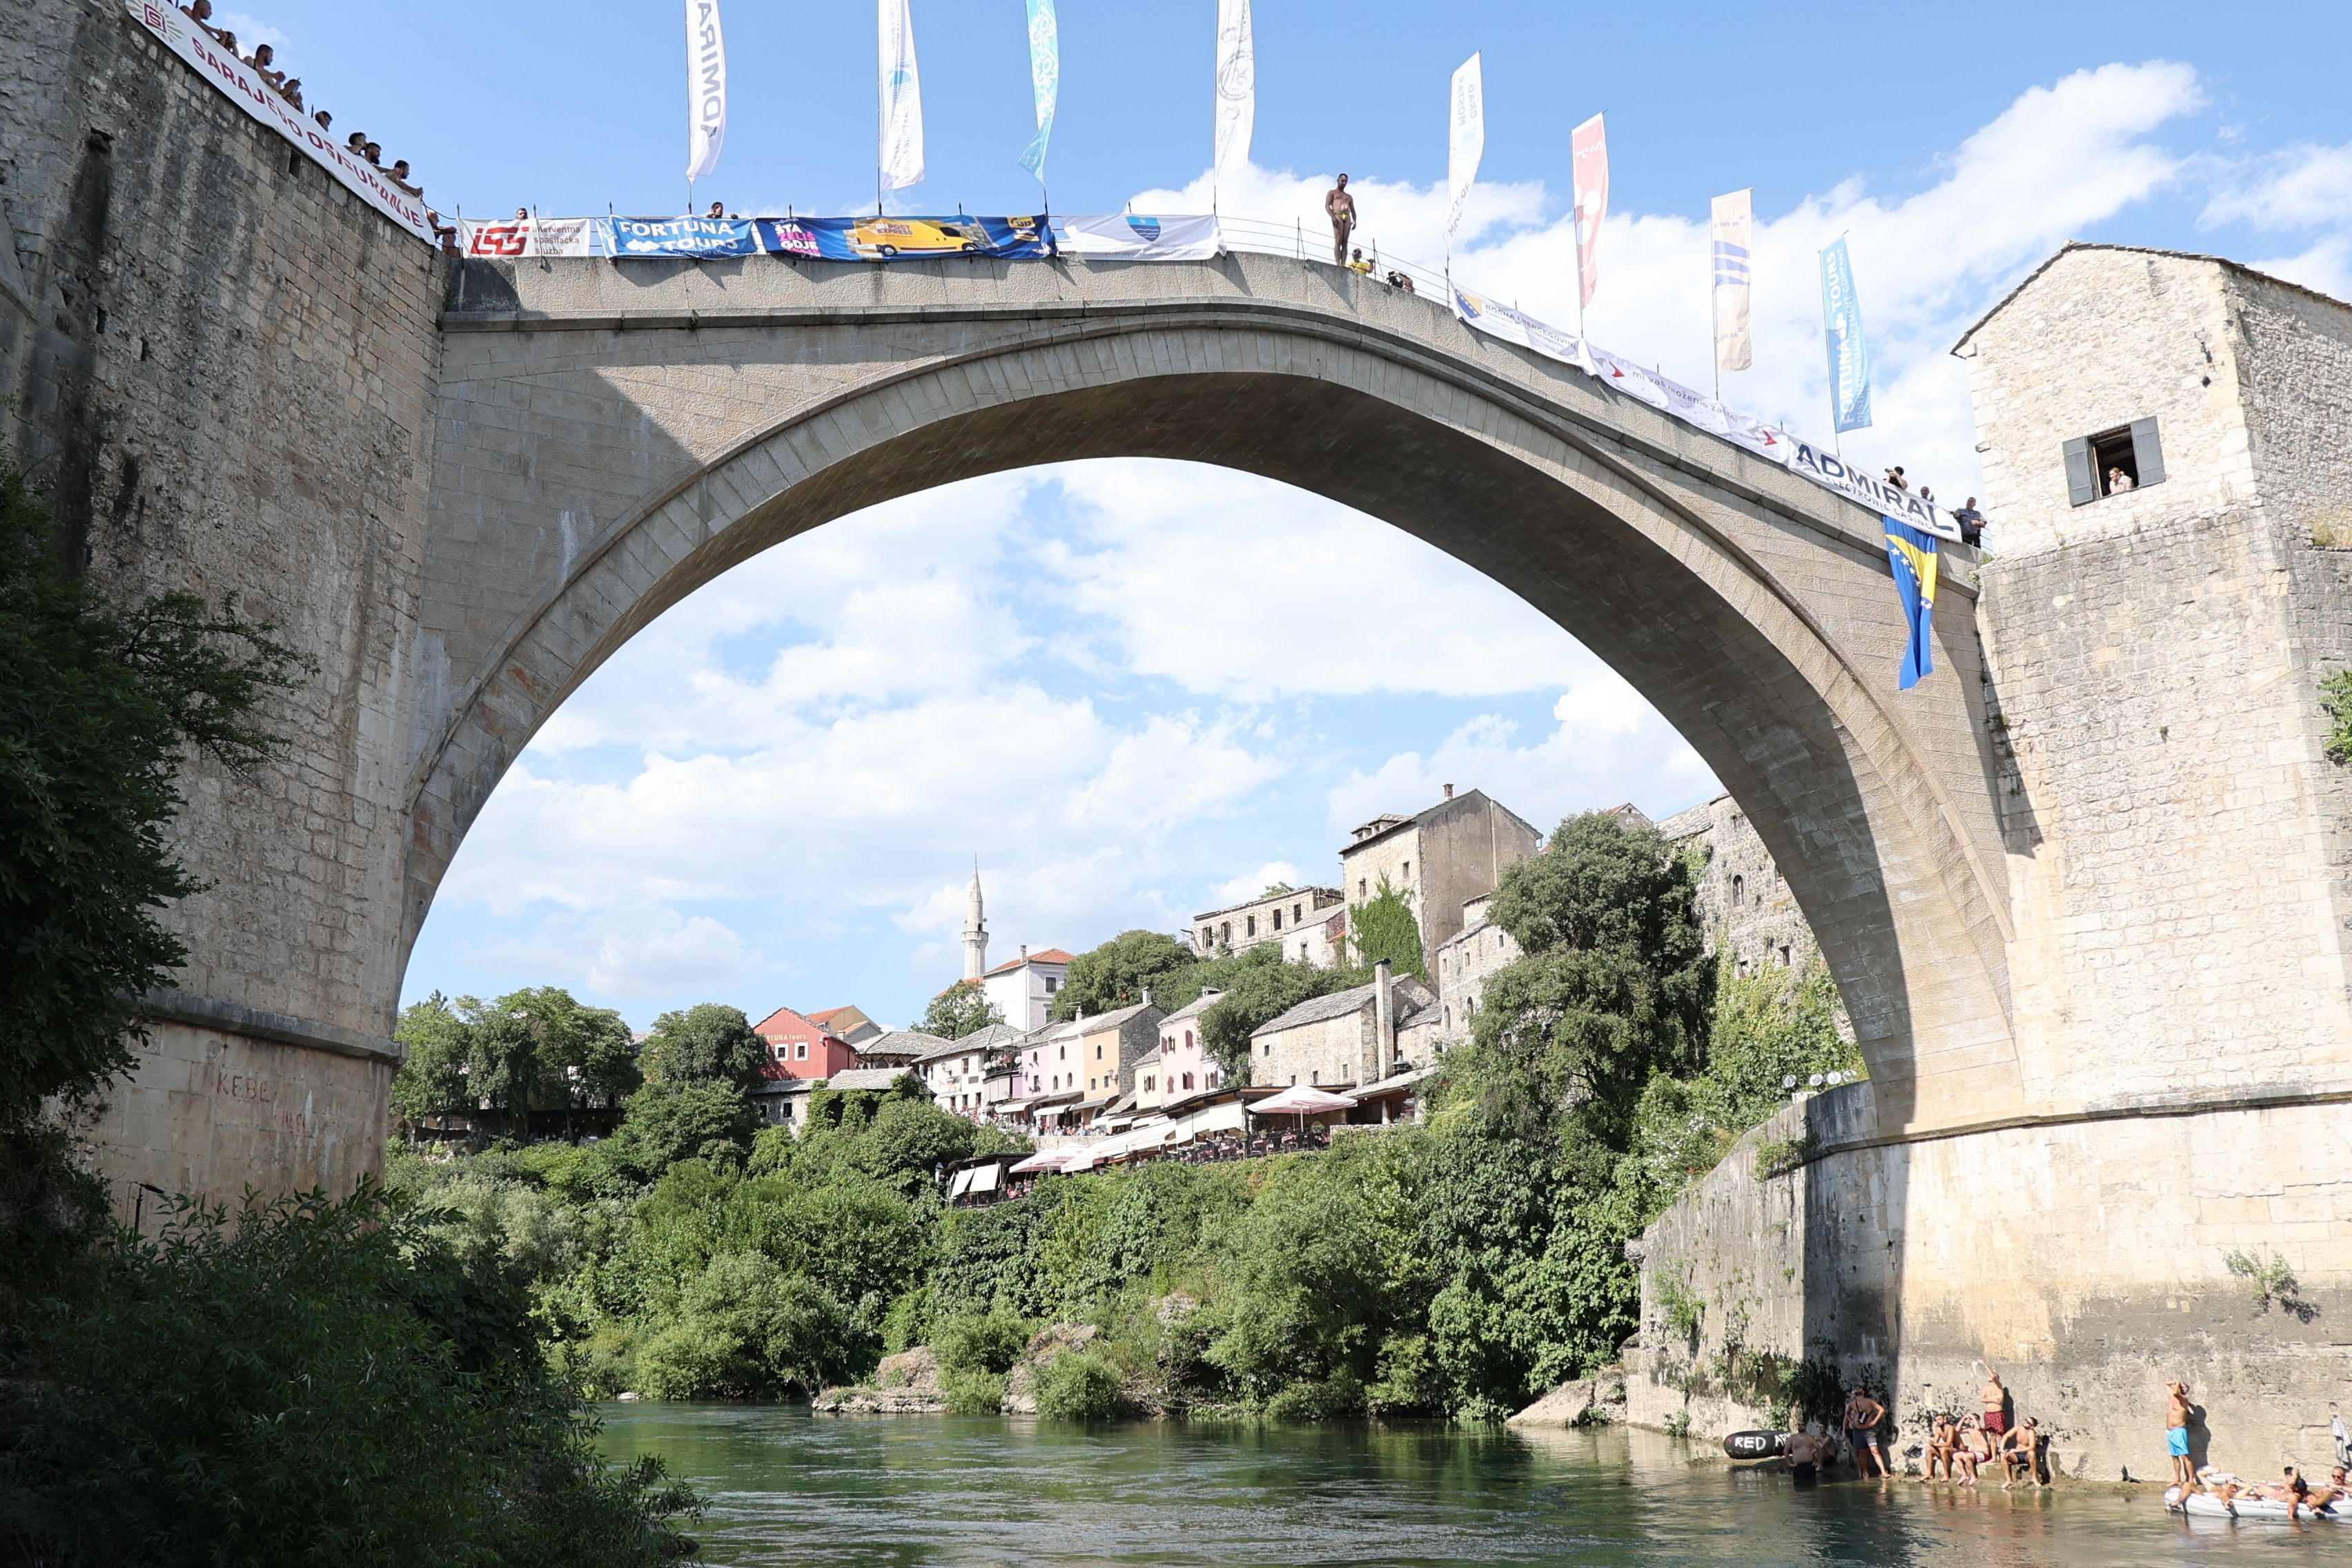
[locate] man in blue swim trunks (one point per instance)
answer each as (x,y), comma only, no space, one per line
(2176,1434)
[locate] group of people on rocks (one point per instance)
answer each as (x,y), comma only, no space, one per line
(264,61)
(1959,1446)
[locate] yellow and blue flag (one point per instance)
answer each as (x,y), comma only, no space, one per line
(1911,552)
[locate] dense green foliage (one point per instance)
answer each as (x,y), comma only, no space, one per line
(1116,973)
(962,1009)
(309,1382)
(1386,929)
(2336,699)
(710,1043)
(298,1383)
(536,1049)
(98,708)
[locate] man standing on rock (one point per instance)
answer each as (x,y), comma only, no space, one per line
(1341,208)
(2176,1433)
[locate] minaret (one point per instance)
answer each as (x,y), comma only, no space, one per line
(975,930)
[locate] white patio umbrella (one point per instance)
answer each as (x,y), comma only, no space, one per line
(1049,1159)
(1303,1101)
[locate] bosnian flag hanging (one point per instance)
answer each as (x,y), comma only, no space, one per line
(1912,553)
(705,87)
(1589,167)
(902,99)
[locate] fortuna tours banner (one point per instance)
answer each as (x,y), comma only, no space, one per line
(898,238)
(258,99)
(1735,343)
(1132,237)
(705,87)
(1045,80)
(1913,555)
(518,237)
(675,238)
(901,160)
(1466,141)
(1841,330)
(1236,89)
(1588,149)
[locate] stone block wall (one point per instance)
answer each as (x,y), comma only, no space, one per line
(222,366)
(2086,1261)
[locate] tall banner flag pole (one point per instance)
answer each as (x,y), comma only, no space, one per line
(901,162)
(1044,79)
(1465,144)
(1236,94)
(1735,344)
(1911,552)
(706,91)
(1589,171)
(1841,330)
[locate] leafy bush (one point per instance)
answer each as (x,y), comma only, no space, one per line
(670,1120)
(1335,1398)
(974,1393)
(341,1388)
(1079,1386)
(2336,699)
(983,1342)
(746,1329)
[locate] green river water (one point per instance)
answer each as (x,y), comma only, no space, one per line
(788,1487)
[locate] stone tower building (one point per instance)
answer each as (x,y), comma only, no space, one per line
(975,932)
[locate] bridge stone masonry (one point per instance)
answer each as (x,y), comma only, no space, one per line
(2082,890)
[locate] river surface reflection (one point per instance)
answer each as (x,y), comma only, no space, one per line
(787,1487)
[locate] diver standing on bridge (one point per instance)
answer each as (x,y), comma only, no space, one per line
(1341,206)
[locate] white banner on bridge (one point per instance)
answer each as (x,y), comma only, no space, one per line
(1905,506)
(517,238)
(244,88)
(705,87)
(1133,237)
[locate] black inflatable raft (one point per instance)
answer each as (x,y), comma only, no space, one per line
(1756,1445)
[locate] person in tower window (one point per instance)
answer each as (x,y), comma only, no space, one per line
(2118,482)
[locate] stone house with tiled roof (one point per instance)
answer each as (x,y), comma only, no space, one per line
(1291,916)
(957,1071)
(850,1026)
(1438,859)
(1108,1046)
(1359,1036)
(899,1048)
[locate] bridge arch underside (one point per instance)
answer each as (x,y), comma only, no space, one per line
(1758,634)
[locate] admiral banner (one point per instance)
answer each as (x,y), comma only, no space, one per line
(518,237)
(1902,506)
(1133,237)
(905,238)
(249,93)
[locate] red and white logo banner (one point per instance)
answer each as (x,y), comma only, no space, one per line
(517,238)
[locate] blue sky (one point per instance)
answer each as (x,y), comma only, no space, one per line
(1134,689)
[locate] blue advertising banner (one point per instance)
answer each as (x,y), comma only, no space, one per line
(1849,353)
(904,238)
(671,238)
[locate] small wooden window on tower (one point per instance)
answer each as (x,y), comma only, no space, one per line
(2127,458)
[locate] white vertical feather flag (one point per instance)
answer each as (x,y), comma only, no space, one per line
(705,87)
(1735,344)
(1237,86)
(902,99)
(1044,79)
(1465,140)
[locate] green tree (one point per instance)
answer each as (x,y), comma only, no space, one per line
(671,1120)
(962,1009)
(1385,927)
(585,1052)
(1258,988)
(1614,985)
(432,1082)
(708,1043)
(98,709)
(1116,973)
